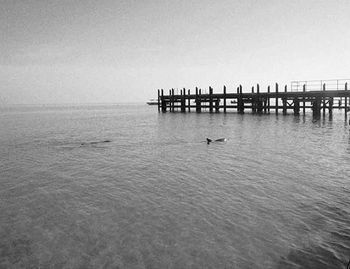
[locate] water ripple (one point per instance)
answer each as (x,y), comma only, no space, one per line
(274,195)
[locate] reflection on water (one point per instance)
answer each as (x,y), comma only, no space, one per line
(274,195)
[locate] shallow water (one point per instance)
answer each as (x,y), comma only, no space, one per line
(274,195)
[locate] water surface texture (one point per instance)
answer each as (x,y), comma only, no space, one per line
(276,194)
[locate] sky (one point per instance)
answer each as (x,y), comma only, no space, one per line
(84,51)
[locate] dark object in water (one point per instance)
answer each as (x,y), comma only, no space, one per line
(95,142)
(217,140)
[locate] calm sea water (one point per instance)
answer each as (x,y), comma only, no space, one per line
(275,195)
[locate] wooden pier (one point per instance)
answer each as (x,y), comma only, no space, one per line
(296,99)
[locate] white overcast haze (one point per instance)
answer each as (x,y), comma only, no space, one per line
(83,51)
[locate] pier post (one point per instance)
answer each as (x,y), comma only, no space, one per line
(241,101)
(189,100)
(197,100)
(238,101)
(253,101)
(169,101)
(316,107)
(172,100)
(268,99)
(304,90)
(217,105)
(284,101)
(346,100)
(276,105)
(330,105)
(163,101)
(224,99)
(296,106)
(183,100)
(259,102)
(158,100)
(210,99)
(284,104)
(200,101)
(324,99)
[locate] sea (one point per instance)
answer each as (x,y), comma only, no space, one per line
(124,186)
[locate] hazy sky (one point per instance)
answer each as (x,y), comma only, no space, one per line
(83,51)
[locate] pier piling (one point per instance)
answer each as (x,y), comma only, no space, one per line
(268,99)
(324,99)
(224,99)
(183,100)
(284,102)
(189,101)
(276,105)
(346,99)
(296,106)
(304,90)
(158,100)
(163,101)
(210,99)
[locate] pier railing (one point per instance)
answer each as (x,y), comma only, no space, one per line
(318,85)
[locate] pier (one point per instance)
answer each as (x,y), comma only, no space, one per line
(319,96)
